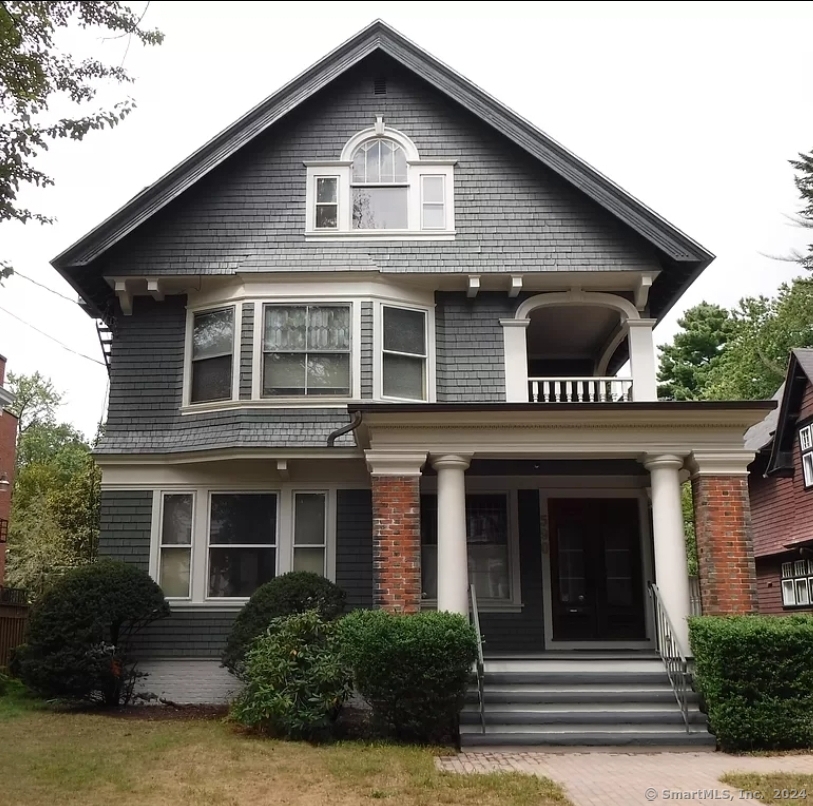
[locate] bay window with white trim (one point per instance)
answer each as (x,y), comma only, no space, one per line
(310,531)
(404,353)
(211,359)
(175,551)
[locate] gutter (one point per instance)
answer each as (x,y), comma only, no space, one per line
(345,429)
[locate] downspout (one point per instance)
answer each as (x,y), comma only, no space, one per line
(345,429)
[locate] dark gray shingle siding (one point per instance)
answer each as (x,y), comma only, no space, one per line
(512,213)
(354,546)
(367,349)
(246,350)
(185,635)
(469,343)
(125,522)
(146,383)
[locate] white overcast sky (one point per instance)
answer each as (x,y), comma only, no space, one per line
(694,108)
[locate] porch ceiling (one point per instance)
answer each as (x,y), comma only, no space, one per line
(570,332)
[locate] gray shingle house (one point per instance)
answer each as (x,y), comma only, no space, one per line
(385,329)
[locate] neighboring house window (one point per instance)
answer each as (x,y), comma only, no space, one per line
(403,359)
(176,544)
(797,583)
(489,546)
(380,187)
(242,543)
(306,351)
(310,532)
(212,356)
(806,447)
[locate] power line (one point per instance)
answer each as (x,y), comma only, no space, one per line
(53,339)
(56,293)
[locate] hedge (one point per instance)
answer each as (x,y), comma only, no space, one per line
(756,675)
(412,669)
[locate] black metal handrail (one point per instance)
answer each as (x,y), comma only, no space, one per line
(671,654)
(480,664)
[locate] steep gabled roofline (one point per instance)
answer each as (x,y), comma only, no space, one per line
(798,375)
(379,36)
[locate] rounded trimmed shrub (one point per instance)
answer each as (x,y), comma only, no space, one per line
(79,632)
(285,595)
(296,682)
(412,669)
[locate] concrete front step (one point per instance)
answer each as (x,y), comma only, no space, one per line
(598,665)
(495,737)
(565,719)
(577,694)
(556,678)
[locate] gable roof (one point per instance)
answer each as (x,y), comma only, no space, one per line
(378,36)
(774,435)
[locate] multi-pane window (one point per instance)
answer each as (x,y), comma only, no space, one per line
(379,186)
(310,536)
(403,360)
(306,350)
(212,355)
(433,206)
(806,447)
(175,552)
(488,545)
(797,583)
(242,543)
(327,202)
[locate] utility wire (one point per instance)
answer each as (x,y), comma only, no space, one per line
(49,336)
(56,293)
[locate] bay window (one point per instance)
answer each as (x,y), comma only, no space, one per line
(404,353)
(310,531)
(242,549)
(306,351)
(212,356)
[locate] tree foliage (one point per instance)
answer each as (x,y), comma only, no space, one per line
(54,521)
(37,73)
(804,184)
(685,364)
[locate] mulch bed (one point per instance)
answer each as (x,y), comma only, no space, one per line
(161,713)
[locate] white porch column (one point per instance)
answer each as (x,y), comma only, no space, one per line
(642,359)
(453,561)
(515,359)
(671,564)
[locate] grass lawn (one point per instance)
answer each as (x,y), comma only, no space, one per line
(785,789)
(98,760)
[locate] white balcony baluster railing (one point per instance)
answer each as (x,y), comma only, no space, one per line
(580,390)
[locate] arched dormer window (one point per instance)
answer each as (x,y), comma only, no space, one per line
(380,187)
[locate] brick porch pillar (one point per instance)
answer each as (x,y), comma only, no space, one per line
(395,482)
(722,516)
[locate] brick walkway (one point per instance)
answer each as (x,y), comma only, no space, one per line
(629,779)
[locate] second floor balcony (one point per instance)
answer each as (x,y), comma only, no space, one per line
(567,347)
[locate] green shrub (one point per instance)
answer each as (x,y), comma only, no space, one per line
(80,630)
(756,675)
(413,670)
(296,682)
(3,684)
(285,595)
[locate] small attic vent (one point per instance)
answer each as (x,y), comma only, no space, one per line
(380,86)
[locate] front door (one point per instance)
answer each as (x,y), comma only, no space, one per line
(596,578)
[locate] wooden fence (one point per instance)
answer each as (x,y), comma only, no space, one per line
(13,618)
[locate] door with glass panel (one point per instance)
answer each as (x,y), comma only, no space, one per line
(596,570)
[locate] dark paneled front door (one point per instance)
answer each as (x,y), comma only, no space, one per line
(596,577)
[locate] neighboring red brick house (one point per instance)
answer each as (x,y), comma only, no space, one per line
(781,488)
(8,442)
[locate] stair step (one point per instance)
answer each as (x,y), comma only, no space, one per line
(617,719)
(534,695)
(568,665)
(621,707)
(567,728)
(654,677)
(589,738)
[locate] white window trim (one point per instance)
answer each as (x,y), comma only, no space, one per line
(342,170)
(514,604)
(790,575)
(160,545)
(378,352)
(806,451)
(191,311)
(311,401)
(208,545)
(324,543)
(199,581)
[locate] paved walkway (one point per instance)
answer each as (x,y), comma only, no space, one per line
(629,779)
